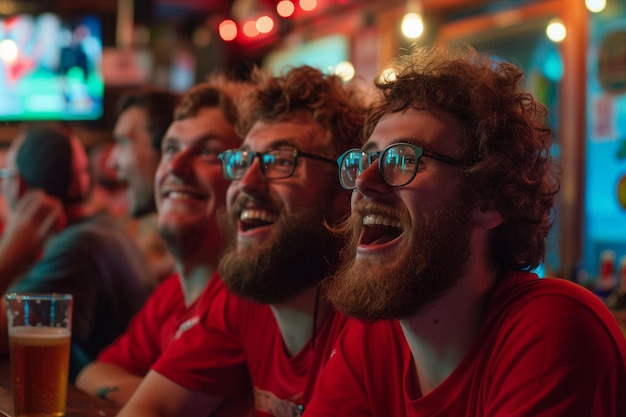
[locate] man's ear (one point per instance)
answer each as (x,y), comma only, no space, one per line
(486,218)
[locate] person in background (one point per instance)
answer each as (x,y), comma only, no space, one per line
(274,326)
(190,192)
(144,115)
(51,243)
(4,211)
(108,193)
(453,198)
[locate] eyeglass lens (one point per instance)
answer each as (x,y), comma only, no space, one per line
(275,163)
(398,165)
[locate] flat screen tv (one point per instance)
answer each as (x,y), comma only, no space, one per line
(50,67)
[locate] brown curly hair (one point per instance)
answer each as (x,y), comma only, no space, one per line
(158,104)
(339,107)
(506,149)
(217,91)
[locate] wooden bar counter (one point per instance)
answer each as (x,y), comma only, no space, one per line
(79,403)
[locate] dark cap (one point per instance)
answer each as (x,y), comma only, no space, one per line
(44,160)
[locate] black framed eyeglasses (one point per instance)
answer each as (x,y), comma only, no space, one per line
(397,164)
(275,163)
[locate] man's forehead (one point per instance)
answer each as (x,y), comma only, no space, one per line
(132,118)
(304,135)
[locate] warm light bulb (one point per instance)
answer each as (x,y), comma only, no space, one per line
(556,30)
(308,5)
(285,8)
(595,6)
(249,29)
(264,24)
(412,25)
(228,30)
(8,50)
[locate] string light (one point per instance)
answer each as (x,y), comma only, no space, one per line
(556,30)
(308,5)
(228,30)
(412,25)
(8,50)
(249,29)
(285,8)
(595,6)
(412,22)
(264,24)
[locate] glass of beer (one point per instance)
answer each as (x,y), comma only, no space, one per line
(39,338)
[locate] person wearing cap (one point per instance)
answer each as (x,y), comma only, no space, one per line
(52,243)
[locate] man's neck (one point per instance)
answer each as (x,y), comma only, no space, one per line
(441,335)
(297,317)
(194,277)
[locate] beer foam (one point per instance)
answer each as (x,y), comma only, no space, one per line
(39,332)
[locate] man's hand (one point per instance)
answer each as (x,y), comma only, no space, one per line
(35,218)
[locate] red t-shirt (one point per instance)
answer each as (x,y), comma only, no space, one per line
(547,347)
(238,342)
(156,324)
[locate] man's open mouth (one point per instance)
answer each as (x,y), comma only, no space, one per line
(254,218)
(378,230)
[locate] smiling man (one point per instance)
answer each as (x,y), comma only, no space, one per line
(190,194)
(453,195)
(274,328)
(143,117)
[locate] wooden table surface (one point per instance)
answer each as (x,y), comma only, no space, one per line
(79,403)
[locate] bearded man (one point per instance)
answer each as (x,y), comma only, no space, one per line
(452,202)
(274,327)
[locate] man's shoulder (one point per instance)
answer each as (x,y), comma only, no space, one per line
(524,287)
(96,227)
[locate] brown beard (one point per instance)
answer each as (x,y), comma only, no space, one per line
(300,253)
(432,259)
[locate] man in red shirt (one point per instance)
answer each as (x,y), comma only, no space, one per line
(190,192)
(275,326)
(453,195)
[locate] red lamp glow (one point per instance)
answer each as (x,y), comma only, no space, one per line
(264,24)
(285,8)
(228,30)
(249,29)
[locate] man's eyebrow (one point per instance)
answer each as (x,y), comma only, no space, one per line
(277,143)
(170,138)
(368,146)
(282,142)
(209,137)
(413,141)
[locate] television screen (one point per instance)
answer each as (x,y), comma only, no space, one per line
(50,67)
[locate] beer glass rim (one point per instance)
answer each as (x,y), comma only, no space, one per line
(38,296)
